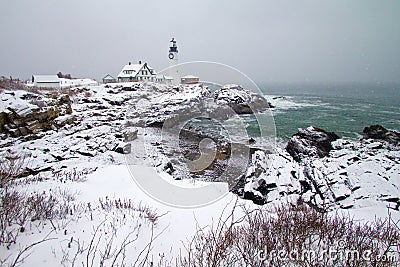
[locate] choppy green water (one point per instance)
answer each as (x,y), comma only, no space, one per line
(344,109)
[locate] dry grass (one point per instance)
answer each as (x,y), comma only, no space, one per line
(9,84)
(144,211)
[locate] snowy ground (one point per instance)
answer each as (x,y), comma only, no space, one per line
(173,227)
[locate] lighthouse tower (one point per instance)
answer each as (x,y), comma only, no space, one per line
(173,61)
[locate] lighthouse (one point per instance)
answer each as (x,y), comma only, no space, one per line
(173,51)
(173,61)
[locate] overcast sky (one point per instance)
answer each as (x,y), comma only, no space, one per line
(276,41)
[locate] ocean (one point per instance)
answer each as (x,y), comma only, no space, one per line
(341,108)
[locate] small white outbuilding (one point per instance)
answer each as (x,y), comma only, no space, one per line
(190,79)
(46,81)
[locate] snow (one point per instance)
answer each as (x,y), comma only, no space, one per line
(46,79)
(13,100)
(115,182)
(190,77)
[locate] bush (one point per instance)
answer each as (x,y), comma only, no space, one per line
(295,236)
(16,209)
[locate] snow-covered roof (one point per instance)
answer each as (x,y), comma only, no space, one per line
(46,78)
(190,77)
(231,86)
(161,76)
(135,68)
(108,77)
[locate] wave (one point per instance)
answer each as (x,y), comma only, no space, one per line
(290,102)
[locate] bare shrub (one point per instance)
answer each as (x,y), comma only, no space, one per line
(294,235)
(16,209)
(11,205)
(11,166)
(42,206)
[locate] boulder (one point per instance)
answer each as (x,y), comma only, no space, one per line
(169,168)
(123,148)
(379,132)
(310,142)
(130,134)
(257,199)
(64,120)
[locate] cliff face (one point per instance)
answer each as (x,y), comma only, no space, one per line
(24,113)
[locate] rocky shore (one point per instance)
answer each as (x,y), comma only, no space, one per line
(133,123)
(327,172)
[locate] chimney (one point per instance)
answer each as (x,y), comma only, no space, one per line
(140,62)
(129,63)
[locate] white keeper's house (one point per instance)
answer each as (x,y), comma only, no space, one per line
(136,73)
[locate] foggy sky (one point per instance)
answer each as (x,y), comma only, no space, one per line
(270,41)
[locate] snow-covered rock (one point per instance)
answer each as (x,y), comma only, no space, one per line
(310,142)
(130,134)
(354,174)
(123,148)
(23,113)
(240,100)
(379,132)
